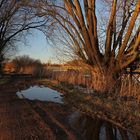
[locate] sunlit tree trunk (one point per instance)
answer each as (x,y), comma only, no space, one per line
(107,81)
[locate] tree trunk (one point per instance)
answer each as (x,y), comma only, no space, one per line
(106,82)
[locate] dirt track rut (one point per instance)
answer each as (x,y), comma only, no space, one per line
(25,120)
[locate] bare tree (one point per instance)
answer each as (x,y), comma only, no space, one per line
(121,36)
(17,17)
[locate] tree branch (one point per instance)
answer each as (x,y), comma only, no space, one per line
(129,31)
(109,33)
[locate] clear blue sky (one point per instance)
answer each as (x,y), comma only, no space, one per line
(37,47)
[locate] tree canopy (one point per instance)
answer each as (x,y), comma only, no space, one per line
(17,18)
(81,30)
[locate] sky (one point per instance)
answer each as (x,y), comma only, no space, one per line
(37,47)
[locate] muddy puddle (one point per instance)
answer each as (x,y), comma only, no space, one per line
(41,93)
(95,129)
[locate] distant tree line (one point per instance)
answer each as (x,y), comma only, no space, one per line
(26,65)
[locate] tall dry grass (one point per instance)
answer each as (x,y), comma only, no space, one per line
(130,86)
(73,77)
(124,86)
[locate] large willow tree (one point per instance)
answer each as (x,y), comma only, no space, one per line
(111,54)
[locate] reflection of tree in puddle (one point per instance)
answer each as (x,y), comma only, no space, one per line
(93,129)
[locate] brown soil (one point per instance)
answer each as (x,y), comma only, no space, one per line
(21,119)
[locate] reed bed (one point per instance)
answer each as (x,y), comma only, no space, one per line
(129,86)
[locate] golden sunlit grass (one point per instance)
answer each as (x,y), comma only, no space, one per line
(120,88)
(120,107)
(121,111)
(130,90)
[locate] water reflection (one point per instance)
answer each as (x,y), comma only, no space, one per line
(40,93)
(95,129)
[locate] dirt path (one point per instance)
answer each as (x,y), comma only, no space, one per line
(24,120)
